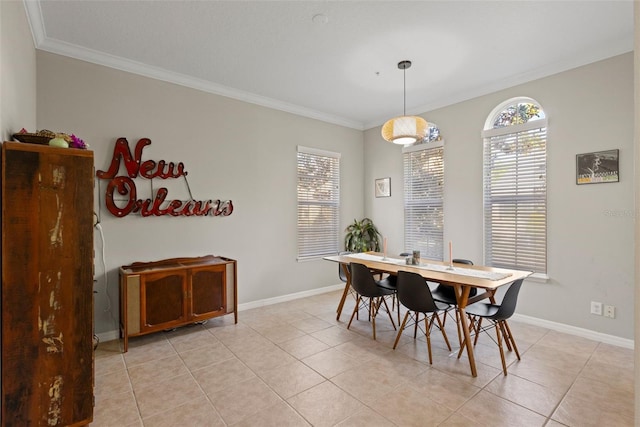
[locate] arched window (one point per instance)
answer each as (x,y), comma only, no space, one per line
(515,186)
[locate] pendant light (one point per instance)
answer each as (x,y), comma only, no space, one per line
(405,129)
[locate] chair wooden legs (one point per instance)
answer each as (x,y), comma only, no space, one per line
(428,324)
(509,336)
(441,327)
(404,321)
(499,335)
(382,300)
(477,328)
(503,332)
(355,310)
(373,306)
(457,320)
(372,315)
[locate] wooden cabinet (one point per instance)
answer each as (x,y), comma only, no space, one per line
(160,295)
(47,285)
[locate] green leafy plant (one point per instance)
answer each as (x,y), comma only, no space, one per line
(362,236)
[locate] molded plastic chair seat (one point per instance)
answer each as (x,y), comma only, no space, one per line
(446,293)
(391,283)
(415,295)
(482,309)
(370,294)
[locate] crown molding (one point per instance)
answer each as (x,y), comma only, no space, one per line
(42,42)
(594,55)
(34,17)
(122,64)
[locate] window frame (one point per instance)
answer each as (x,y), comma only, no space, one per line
(527,195)
(429,205)
(307,232)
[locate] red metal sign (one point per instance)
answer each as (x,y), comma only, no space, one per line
(125,187)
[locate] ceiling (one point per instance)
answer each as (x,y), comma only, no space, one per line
(336,61)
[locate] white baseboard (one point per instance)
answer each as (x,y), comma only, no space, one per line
(108,336)
(559,327)
(574,330)
(289,297)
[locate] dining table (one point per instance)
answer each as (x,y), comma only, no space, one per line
(461,277)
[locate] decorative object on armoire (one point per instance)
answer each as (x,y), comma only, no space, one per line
(47,286)
(58,141)
(45,136)
(156,205)
(165,294)
(77,142)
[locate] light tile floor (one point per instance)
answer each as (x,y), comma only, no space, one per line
(293,364)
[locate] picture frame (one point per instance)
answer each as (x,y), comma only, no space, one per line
(383,187)
(598,167)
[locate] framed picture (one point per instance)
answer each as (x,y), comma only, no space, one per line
(383,187)
(598,167)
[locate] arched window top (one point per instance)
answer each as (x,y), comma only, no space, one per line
(433,134)
(515,111)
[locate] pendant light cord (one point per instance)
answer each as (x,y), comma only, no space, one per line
(404,91)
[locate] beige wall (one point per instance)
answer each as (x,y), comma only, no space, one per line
(17,71)
(590,250)
(590,227)
(231,150)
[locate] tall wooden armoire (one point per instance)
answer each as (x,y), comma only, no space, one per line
(47,285)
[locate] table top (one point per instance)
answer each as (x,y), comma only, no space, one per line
(437,271)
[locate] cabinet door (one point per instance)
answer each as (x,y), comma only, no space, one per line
(163,300)
(208,291)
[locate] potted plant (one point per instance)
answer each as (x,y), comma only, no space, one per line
(362,236)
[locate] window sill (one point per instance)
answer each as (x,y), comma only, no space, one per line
(539,277)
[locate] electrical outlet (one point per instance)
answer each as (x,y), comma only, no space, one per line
(596,308)
(610,311)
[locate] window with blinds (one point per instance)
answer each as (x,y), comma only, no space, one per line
(423,193)
(515,190)
(318,202)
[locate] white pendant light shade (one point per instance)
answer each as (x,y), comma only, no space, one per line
(405,130)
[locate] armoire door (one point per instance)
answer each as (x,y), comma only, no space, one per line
(47,285)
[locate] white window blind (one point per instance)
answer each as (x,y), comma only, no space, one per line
(515,196)
(318,202)
(423,193)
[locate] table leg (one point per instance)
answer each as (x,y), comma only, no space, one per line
(462,296)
